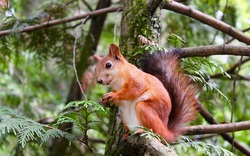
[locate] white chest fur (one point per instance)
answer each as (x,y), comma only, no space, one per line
(129,114)
(128,110)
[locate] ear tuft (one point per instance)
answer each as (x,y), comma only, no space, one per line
(114,51)
(114,47)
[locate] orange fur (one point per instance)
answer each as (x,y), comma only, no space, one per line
(141,97)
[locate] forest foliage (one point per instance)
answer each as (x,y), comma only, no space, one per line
(37,69)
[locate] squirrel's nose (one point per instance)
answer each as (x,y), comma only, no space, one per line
(99,81)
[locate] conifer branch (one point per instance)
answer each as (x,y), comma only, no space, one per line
(64,20)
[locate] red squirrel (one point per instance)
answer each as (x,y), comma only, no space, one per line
(160,97)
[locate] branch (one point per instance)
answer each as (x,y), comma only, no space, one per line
(209,118)
(203,51)
(84,141)
(206,50)
(136,145)
(230,40)
(231,70)
(64,20)
(240,77)
(217,128)
(206,19)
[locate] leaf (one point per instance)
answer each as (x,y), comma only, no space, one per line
(199,70)
(85,104)
(175,40)
(205,148)
(29,132)
(27,129)
(56,133)
(8,125)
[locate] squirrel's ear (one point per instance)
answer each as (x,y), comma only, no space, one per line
(97,58)
(114,51)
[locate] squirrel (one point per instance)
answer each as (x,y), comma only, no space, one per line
(160,98)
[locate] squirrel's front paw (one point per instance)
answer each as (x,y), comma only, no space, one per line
(107,104)
(109,97)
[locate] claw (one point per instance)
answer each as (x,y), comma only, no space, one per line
(104,104)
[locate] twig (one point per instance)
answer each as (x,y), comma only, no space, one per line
(73,26)
(87,5)
(64,20)
(219,105)
(74,57)
(231,39)
(231,70)
(234,88)
(85,142)
(240,77)
(222,18)
(234,98)
(206,19)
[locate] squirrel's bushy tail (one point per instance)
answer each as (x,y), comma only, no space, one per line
(165,66)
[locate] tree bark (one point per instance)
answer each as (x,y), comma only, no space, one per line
(217,128)
(141,145)
(203,51)
(139,19)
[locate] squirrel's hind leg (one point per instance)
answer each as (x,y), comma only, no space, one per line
(151,120)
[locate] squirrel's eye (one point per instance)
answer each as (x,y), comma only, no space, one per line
(108,65)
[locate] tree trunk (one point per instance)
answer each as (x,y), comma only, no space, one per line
(138,18)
